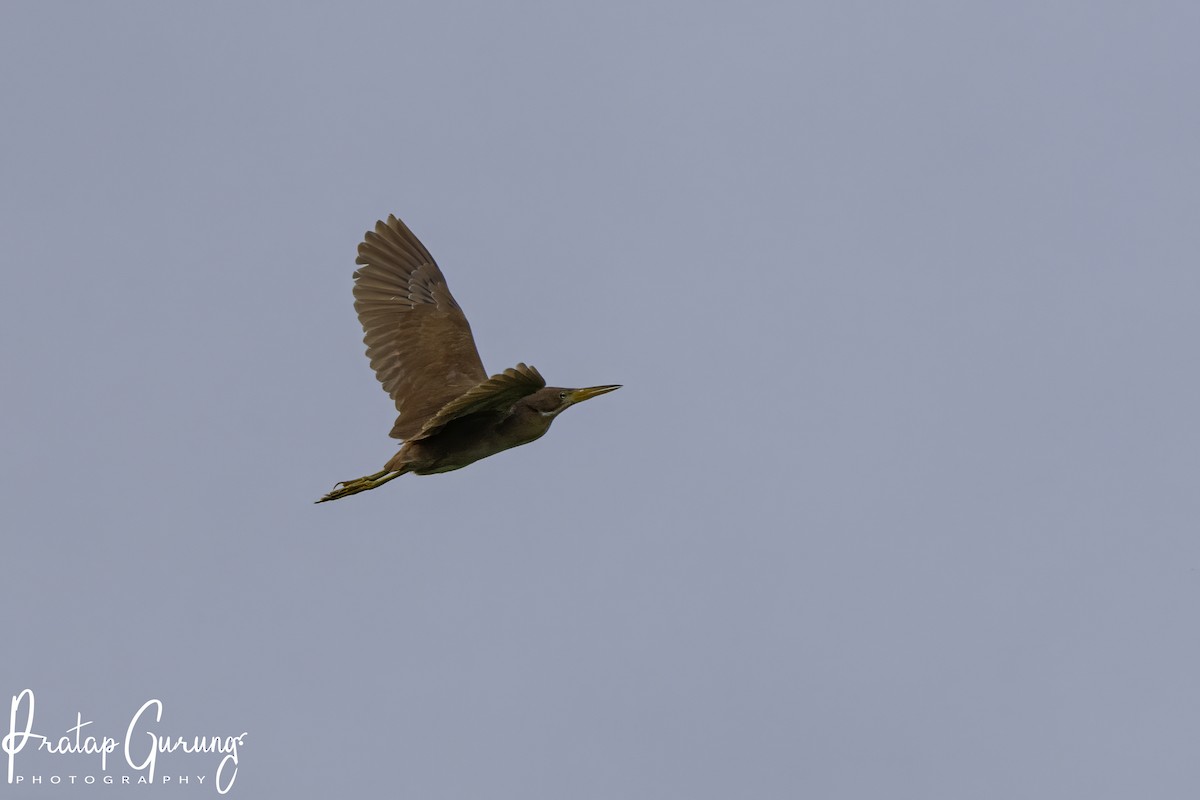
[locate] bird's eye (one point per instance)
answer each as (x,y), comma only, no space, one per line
(562,395)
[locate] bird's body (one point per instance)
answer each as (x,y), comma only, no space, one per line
(468,440)
(421,348)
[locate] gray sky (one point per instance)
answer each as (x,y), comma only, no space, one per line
(899,499)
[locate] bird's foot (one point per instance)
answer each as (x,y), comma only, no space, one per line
(347,488)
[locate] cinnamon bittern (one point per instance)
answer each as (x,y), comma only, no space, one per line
(420,346)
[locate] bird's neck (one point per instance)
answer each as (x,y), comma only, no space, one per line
(525,424)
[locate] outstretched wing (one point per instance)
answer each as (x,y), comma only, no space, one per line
(417,337)
(496,394)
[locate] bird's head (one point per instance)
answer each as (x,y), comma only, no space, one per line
(553,400)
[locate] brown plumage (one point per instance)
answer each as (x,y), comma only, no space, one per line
(420,346)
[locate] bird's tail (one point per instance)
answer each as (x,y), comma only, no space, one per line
(347,488)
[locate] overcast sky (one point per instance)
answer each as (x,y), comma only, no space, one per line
(899,498)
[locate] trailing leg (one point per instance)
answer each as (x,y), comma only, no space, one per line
(347,488)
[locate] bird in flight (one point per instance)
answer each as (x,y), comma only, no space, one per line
(451,413)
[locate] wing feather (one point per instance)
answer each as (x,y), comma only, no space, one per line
(495,395)
(418,339)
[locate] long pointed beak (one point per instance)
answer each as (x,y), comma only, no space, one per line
(579,395)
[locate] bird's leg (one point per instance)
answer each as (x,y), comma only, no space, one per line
(364,479)
(347,488)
